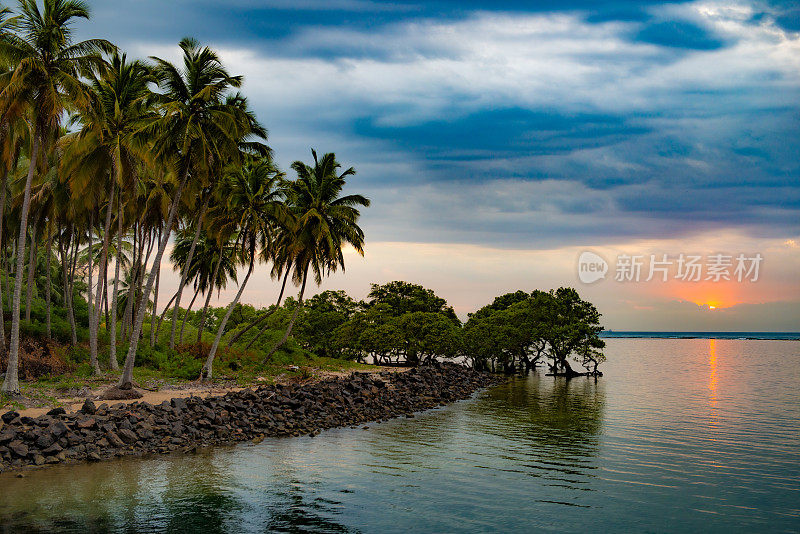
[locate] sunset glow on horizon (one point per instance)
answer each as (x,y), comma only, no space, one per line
(483,183)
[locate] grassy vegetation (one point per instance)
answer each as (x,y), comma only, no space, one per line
(158,367)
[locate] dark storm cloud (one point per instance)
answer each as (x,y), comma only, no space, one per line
(478,121)
(504,133)
(679,35)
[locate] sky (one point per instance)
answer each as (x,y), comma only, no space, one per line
(499,140)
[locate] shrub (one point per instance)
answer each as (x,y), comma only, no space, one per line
(184,365)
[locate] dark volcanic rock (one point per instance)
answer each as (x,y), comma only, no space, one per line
(7,435)
(45,439)
(128,436)
(58,429)
(53,449)
(88,407)
(99,432)
(115,393)
(18,448)
(89,422)
(9,416)
(114,440)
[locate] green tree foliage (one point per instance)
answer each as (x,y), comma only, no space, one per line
(403,297)
(519,329)
(156,150)
(322,315)
(401,323)
(153,149)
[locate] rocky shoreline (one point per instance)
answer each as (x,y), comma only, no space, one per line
(95,433)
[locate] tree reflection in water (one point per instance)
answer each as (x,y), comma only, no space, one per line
(197,493)
(539,425)
(535,438)
(555,423)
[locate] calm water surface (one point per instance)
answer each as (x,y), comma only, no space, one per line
(680,434)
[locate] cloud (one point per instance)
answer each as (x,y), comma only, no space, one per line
(678,316)
(507,125)
(470,276)
(679,35)
(670,140)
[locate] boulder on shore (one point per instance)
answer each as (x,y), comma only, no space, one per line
(186,424)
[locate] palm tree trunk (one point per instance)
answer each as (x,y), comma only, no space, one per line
(112,329)
(2,308)
(202,324)
(10,270)
(65,274)
(73,259)
(294,317)
(11,381)
(101,276)
(105,299)
(73,248)
(134,271)
(133,290)
(207,371)
(2,322)
(140,267)
(93,317)
(3,276)
(48,289)
(185,272)
(31,270)
(164,313)
(155,307)
(186,315)
(261,319)
(126,380)
(2,293)
(144,301)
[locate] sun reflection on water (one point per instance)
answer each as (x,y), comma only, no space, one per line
(714,422)
(712,363)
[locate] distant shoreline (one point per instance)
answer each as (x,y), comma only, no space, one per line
(774,336)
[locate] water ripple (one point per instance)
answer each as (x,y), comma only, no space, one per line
(649,447)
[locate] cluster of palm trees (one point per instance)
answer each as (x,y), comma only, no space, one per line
(104,159)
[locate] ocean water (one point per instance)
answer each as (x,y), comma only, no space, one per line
(786,336)
(679,435)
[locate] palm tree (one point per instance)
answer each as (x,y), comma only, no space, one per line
(47,65)
(179,257)
(12,131)
(249,127)
(109,145)
(254,210)
(45,199)
(322,223)
(196,129)
(278,270)
(217,263)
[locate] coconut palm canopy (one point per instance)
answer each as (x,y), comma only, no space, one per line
(152,150)
(517,131)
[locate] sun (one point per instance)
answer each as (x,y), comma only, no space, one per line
(710,307)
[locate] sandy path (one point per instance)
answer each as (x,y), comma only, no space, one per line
(72,404)
(153,397)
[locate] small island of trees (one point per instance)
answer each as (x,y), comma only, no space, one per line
(105,161)
(401,323)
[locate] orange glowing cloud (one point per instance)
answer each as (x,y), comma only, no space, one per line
(715,295)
